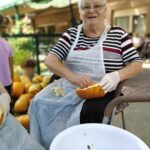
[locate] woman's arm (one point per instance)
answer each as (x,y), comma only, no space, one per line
(130,70)
(2,89)
(56,66)
(110,81)
(11,67)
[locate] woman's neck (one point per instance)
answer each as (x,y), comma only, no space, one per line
(93,31)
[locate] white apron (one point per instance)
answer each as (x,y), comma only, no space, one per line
(50,114)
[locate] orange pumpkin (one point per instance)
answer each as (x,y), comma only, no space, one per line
(24,79)
(37,79)
(27,85)
(34,89)
(16,78)
(45,81)
(18,89)
(24,120)
(93,91)
(22,104)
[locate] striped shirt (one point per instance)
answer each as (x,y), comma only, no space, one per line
(118,49)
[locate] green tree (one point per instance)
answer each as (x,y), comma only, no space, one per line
(23,48)
(41,1)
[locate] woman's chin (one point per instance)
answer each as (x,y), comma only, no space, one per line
(91,23)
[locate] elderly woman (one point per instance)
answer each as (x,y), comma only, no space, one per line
(12,135)
(92,52)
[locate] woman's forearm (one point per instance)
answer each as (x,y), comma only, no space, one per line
(11,67)
(130,70)
(2,89)
(54,65)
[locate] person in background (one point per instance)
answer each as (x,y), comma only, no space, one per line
(29,68)
(93,52)
(137,41)
(13,136)
(145,52)
(6,58)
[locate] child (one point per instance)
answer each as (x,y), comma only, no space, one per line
(29,68)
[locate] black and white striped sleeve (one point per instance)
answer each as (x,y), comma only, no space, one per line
(129,53)
(62,47)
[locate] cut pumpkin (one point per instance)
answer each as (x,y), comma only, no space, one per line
(93,91)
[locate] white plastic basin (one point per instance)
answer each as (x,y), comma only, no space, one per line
(97,137)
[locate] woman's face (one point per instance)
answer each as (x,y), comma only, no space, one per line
(92,12)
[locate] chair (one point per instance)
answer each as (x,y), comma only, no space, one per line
(120,100)
(119,108)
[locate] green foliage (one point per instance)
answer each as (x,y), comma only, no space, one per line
(21,57)
(42,1)
(23,48)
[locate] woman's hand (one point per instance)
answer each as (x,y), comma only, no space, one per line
(110,81)
(81,81)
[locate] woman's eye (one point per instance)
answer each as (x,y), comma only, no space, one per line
(97,7)
(86,7)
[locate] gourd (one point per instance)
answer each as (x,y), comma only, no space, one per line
(24,120)
(22,104)
(34,89)
(16,78)
(37,79)
(93,91)
(18,89)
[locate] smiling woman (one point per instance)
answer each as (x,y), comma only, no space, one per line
(92,52)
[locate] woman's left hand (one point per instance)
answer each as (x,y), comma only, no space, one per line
(110,81)
(81,81)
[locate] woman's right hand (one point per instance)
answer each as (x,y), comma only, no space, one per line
(81,81)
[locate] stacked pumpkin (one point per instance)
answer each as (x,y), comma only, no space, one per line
(23,91)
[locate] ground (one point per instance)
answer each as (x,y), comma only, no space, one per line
(137,115)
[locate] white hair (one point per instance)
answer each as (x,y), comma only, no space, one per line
(80,3)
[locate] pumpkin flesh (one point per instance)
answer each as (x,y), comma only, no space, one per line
(93,91)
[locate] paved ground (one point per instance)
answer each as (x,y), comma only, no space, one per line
(138,114)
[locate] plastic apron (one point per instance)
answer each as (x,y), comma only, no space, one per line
(50,114)
(14,137)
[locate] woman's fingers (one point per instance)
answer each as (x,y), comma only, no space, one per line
(82,81)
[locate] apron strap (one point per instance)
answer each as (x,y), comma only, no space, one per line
(77,37)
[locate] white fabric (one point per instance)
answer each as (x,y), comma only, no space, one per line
(13,136)
(50,114)
(110,81)
(5,103)
(90,61)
